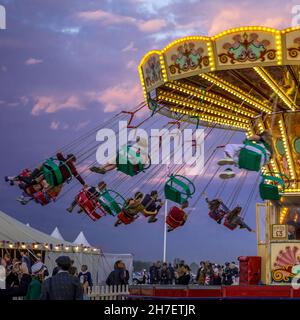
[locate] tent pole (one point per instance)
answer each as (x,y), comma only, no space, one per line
(165,232)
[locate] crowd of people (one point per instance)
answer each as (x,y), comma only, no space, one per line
(180,273)
(29,278)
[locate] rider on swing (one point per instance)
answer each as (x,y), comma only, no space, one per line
(232,152)
(93,193)
(217,209)
(140,145)
(233,220)
(131,210)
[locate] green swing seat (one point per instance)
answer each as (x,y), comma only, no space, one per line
(130,164)
(251,155)
(52,173)
(112,202)
(179,189)
(270,191)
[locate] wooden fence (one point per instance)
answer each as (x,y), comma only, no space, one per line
(108,292)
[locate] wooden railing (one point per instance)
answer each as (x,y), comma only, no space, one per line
(108,292)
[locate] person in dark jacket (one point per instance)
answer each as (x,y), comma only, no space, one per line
(185,278)
(119,276)
(21,289)
(171,273)
(164,274)
(227,275)
(62,286)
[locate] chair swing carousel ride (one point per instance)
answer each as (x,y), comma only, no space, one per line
(245,79)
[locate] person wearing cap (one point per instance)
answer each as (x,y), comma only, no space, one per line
(35,286)
(62,286)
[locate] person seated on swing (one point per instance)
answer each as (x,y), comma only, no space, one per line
(32,187)
(27,178)
(41,193)
(217,209)
(141,144)
(151,205)
(93,194)
(69,162)
(232,152)
(131,210)
(177,216)
(17,180)
(233,220)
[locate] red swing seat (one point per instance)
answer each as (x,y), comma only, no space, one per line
(125,218)
(41,198)
(90,205)
(175,218)
(229,225)
(216,216)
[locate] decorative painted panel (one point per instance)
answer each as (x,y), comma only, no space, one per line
(285,262)
(186,58)
(245,48)
(292,44)
(152,72)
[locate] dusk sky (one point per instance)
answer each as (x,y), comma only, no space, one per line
(66,66)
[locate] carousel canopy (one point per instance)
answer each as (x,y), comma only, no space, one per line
(81,240)
(56,234)
(15,231)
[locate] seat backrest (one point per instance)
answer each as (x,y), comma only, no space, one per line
(175,181)
(130,165)
(230,226)
(249,160)
(52,173)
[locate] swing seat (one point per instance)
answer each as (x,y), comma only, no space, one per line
(250,156)
(41,198)
(175,218)
(270,191)
(230,226)
(217,215)
(125,218)
(132,163)
(52,173)
(89,205)
(179,189)
(112,202)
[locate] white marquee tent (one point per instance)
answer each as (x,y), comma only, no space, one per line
(14,233)
(56,234)
(81,240)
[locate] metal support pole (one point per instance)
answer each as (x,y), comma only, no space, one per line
(165,232)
